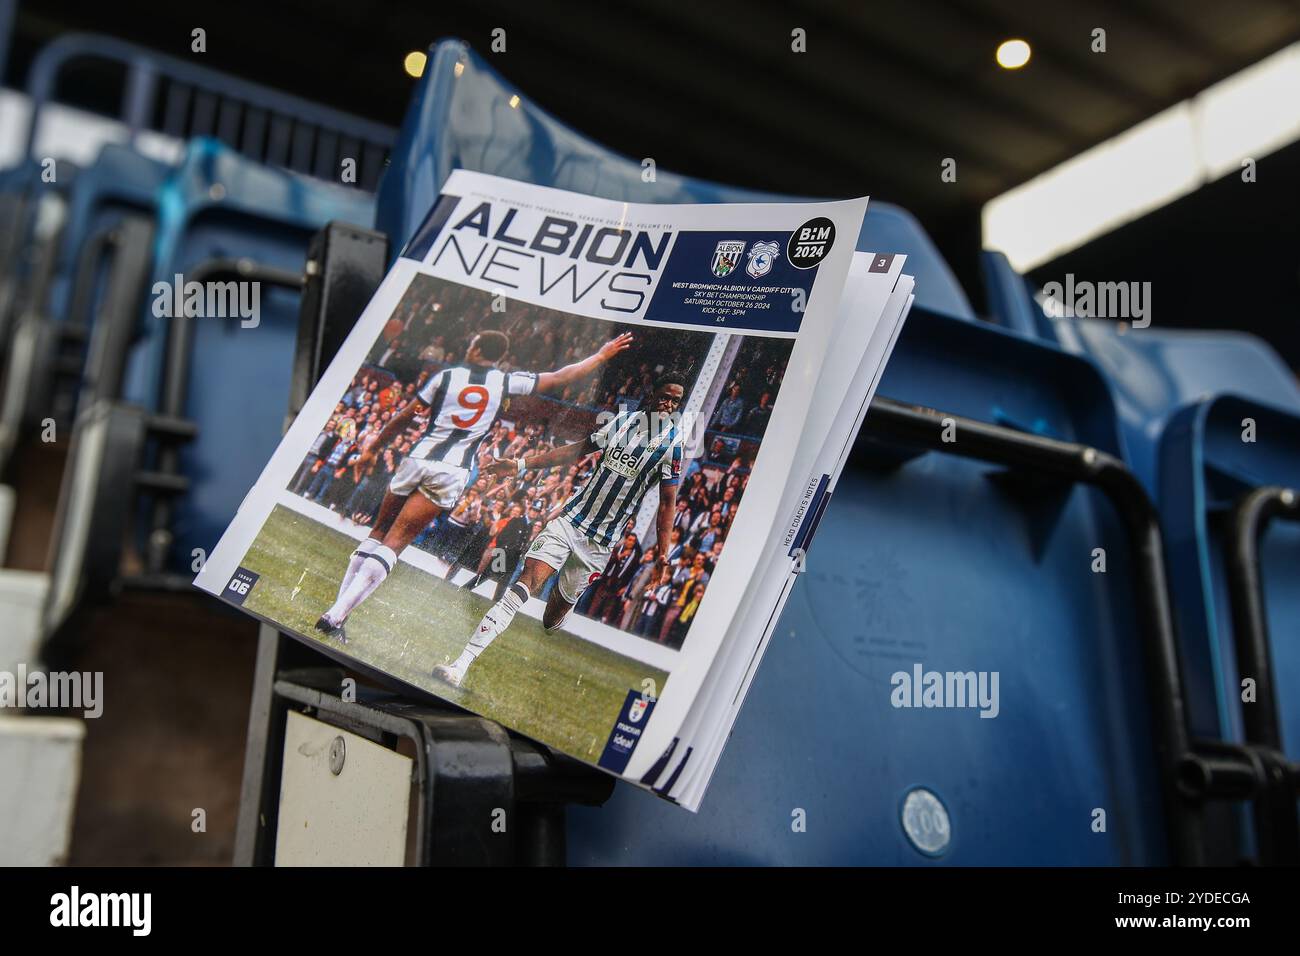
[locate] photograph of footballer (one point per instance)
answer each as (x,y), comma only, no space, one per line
(515,507)
(458,406)
(576,544)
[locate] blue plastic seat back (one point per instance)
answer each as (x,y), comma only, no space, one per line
(120,182)
(16,183)
(464,115)
(20,178)
(1152,372)
(219,205)
(31,225)
(1182,397)
(1205,468)
(1155,372)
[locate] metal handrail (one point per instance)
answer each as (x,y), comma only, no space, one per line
(183,99)
(924,427)
(1251,515)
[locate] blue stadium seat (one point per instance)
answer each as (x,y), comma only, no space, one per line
(32,217)
(1182,398)
(120,182)
(219,205)
(1204,469)
(45,367)
(464,115)
(923,558)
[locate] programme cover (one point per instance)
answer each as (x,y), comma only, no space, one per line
(650,366)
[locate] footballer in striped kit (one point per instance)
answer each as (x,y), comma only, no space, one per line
(637,451)
(460,404)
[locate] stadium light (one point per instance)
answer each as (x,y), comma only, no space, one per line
(1246,116)
(1013,54)
(414,63)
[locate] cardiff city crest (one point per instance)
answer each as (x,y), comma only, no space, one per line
(762,256)
(727,256)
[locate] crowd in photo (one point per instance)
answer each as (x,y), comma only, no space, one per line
(433,325)
(484,536)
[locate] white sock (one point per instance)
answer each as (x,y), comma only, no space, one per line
(375,567)
(496,620)
(367,546)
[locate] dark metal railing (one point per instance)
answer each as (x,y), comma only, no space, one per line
(181,99)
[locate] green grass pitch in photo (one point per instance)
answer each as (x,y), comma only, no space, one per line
(555,688)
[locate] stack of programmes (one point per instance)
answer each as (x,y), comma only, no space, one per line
(570,460)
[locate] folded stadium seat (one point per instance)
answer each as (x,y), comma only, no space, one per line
(925,559)
(13,201)
(1152,372)
(1183,399)
(16,184)
(122,453)
(1227,465)
(32,218)
(33,215)
(45,364)
(1205,470)
(462,116)
(104,250)
(35,805)
(193,428)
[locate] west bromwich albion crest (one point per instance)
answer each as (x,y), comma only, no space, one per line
(727,256)
(762,256)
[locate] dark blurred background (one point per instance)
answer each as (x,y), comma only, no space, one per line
(885,92)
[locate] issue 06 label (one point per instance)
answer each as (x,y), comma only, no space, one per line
(240,583)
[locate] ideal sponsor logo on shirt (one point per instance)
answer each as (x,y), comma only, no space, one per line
(625,463)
